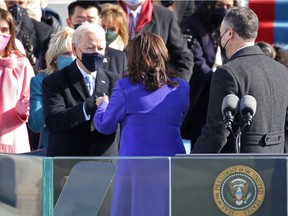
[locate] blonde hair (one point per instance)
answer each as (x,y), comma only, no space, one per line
(60,42)
(116,15)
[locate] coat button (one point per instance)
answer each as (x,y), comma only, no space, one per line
(279,137)
(267,139)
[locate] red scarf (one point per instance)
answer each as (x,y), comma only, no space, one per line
(145,14)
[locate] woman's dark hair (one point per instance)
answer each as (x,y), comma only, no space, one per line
(267,48)
(281,55)
(147,62)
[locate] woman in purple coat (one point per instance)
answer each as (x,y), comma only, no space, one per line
(150,104)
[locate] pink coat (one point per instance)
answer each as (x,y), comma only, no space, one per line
(15,75)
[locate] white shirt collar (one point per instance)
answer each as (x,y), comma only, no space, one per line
(137,11)
(247,45)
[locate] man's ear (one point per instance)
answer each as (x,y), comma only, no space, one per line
(69,23)
(74,50)
(231,33)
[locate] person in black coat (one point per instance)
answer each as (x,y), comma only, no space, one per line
(68,106)
(183,9)
(34,35)
(202,31)
(163,22)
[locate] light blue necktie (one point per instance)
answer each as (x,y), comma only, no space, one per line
(89,84)
(133,22)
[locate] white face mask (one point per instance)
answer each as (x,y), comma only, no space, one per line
(133,2)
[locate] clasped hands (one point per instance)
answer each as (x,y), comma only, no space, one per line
(94,101)
(101,99)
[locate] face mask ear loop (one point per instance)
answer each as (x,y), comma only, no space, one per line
(220,39)
(76,53)
(226,42)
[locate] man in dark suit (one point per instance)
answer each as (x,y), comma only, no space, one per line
(248,72)
(89,11)
(163,22)
(68,106)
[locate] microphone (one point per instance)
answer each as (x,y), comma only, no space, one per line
(229,109)
(248,106)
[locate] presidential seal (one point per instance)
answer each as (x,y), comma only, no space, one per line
(239,191)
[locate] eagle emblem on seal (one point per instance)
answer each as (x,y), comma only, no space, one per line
(239,190)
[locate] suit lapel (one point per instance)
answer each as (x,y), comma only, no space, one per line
(106,60)
(102,82)
(76,79)
(148,27)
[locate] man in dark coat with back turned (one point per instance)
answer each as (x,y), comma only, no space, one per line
(248,72)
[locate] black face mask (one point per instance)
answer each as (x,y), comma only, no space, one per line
(166,3)
(217,15)
(76,25)
(92,61)
(18,13)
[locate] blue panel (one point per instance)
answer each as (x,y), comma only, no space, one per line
(281,22)
(281,10)
(47,189)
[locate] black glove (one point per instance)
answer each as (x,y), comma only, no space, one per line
(90,103)
(190,40)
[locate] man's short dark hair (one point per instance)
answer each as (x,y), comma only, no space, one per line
(83,4)
(243,21)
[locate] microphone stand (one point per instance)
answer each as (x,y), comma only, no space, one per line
(235,135)
(238,141)
(238,136)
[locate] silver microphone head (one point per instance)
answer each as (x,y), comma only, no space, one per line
(248,105)
(230,103)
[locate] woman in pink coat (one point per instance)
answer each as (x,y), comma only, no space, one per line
(15,75)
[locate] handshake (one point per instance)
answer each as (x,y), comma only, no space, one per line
(90,103)
(231,105)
